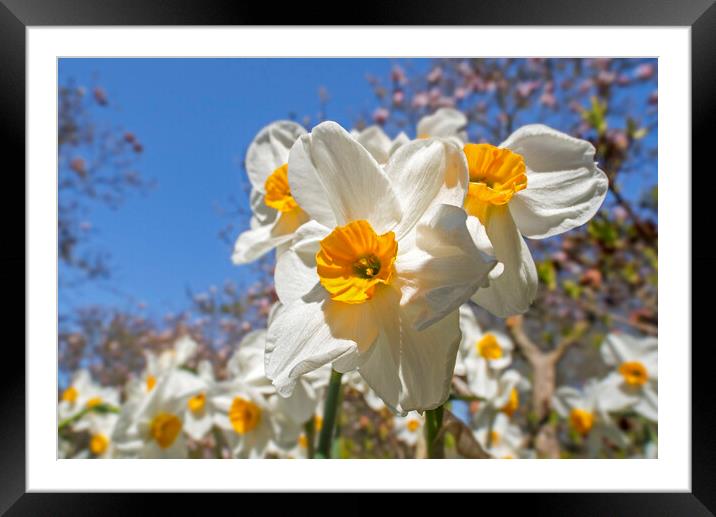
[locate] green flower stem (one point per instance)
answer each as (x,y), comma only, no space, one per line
(101,408)
(330,411)
(433,423)
(310,429)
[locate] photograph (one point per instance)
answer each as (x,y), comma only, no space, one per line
(358,258)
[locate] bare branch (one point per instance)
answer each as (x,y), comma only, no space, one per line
(574,336)
(530,350)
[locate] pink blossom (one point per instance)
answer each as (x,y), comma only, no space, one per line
(623,80)
(79,166)
(620,140)
(620,214)
(380,116)
(548,99)
(526,88)
(644,72)
(435,75)
(100,96)
(605,78)
(398,97)
(585,85)
(397,74)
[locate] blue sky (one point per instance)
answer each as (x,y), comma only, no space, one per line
(195,119)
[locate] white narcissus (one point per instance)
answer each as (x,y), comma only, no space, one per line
(634,383)
(407,428)
(158,365)
(375,279)
(152,426)
(253,423)
(81,394)
(101,428)
(538,183)
(483,355)
(500,438)
(504,394)
(377,143)
(587,412)
(445,123)
(276,215)
(247,366)
(199,417)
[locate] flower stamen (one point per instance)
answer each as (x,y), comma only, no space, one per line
(278,191)
(634,373)
(496,174)
(353,260)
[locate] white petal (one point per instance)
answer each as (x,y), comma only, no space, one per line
(424,174)
(295,274)
(516,288)
(471,331)
(648,404)
(263,214)
(615,395)
(567,398)
(311,332)
(198,428)
(184,349)
(410,369)
(269,150)
(444,123)
(509,380)
(375,140)
(444,269)
(480,379)
(337,181)
(565,188)
(399,141)
(301,405)
(254,243)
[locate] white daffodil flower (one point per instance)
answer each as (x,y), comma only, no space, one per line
(151,427)
(500,438)
(83,393)
(378,144)
(407,429)
(634,383)
(587,411)
(375,279)
(504,392)
(253,423)
(483,355)
(276,215)
(101,428)
(538,183)
(247,365)
(199,416)
(157,366)
(445,123)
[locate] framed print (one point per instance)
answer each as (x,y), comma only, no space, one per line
(422,243)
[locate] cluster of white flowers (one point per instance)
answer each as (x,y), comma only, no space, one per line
(169,402)
(380,241)
(630,386)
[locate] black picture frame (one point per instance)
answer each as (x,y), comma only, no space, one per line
(699,15)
